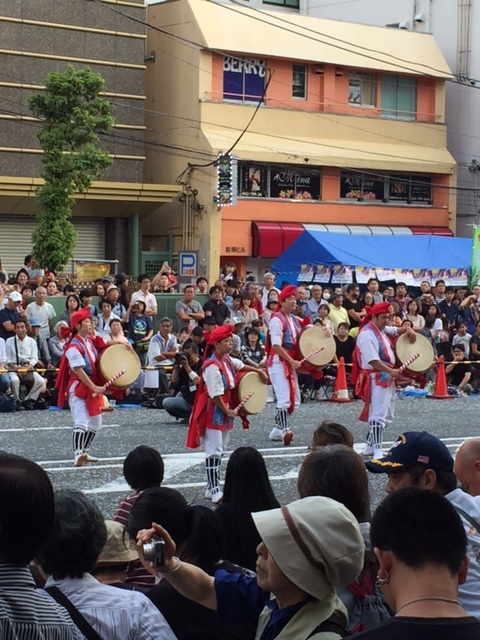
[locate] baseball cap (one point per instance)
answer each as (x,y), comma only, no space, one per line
(115,550)
(237,320)
(108,279)
(34,322)
(15,296)
(315,541)
(414,448)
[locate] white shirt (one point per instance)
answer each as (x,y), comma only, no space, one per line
(3,351)
(43,314)
(27,351)
(159,344)
(103,327)
(148,298)
(468,592)
(367,343)
(213,378)
(266,293)
(275,328)
(113,612)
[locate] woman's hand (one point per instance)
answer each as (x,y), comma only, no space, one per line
(146,535)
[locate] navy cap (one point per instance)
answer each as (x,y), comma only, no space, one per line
(414,448)
(209,320)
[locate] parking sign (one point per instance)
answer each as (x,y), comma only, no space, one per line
(188,264)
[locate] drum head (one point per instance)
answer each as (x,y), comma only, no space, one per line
(118,358)
(313,338)
(248,383)
(405,349)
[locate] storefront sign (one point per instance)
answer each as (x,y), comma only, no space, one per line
(253,181)
(227,180)
(360,186)
(243,78)
(294,183)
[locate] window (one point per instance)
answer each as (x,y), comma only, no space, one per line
(299,81)
(295,4)
(243,78)
(396,188)
(286,182)
(362,89)
(399,97)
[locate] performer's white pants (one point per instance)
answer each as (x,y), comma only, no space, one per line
(38,383)
(215,442)
(382,403)
(81,419)
(281,385)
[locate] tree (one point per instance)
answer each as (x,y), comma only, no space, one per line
(73,115)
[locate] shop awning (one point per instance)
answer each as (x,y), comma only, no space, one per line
(271,239)
(322,151)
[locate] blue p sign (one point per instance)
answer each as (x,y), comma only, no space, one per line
(188,265)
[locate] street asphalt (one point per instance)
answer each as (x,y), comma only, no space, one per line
(45,436)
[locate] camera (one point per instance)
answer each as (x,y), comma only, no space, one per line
(153,552)
(180,358)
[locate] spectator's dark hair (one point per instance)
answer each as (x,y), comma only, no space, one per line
(12,281)
(20,321)
(85,293)
(116,320)
(22,270)
(419,527)
(200,279)
(192,527)
(26,287)
(331,432)
(429,322)
(26,508)
(372,280)
(252,331)
(400,284)
(214,289)
(246,296)
(76,298)
(189,286)
(446,480)
(105,301)
(247,484)
(143,276)
(336,472)
(449,290)
(342,324)
(459,347)
(27,259)
(352,287)
(143,468)
(190,344)
(77,538)
(68,288)
(461,322)
(439,282)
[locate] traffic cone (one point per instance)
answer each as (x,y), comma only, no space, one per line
(441,392)
(341,391)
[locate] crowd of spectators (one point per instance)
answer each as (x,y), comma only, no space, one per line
(31,345)
(162,568)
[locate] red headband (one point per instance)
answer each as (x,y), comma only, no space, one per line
(290,290)
(220,333)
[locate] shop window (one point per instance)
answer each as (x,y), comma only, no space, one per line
(399,97)
(362,89)
(299,81)
(410,189)
(285,182)
(402,188)
(243,78)
(294,4)
(361,186)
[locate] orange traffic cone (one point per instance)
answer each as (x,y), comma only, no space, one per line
(341,392)
(441,392)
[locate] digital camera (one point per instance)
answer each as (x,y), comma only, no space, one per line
(153,552)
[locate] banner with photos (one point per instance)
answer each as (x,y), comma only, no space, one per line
(306,273)
(385,274)
(363,274)
(322,274)
(342,274)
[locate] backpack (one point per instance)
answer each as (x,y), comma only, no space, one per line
(7,403)
(370,608)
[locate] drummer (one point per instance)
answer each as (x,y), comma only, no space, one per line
(283,331)
(375,372)
(212,414)
(77,377)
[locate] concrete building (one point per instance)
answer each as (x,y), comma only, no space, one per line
(41,36)
(455,25)
(324,134)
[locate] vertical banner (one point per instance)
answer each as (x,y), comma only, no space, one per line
(475,277)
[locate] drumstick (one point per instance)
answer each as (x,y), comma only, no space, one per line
(111,381)
(409,361)
(243,402)
(310,355)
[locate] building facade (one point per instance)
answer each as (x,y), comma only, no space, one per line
(455,25)
(323,132)
(38,37)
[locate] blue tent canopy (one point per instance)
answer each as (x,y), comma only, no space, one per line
(388,252)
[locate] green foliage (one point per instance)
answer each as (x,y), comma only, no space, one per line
(73,115)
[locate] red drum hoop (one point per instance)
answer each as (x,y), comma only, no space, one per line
(115,358)
(246,383)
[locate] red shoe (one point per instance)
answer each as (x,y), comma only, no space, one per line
(287,437)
